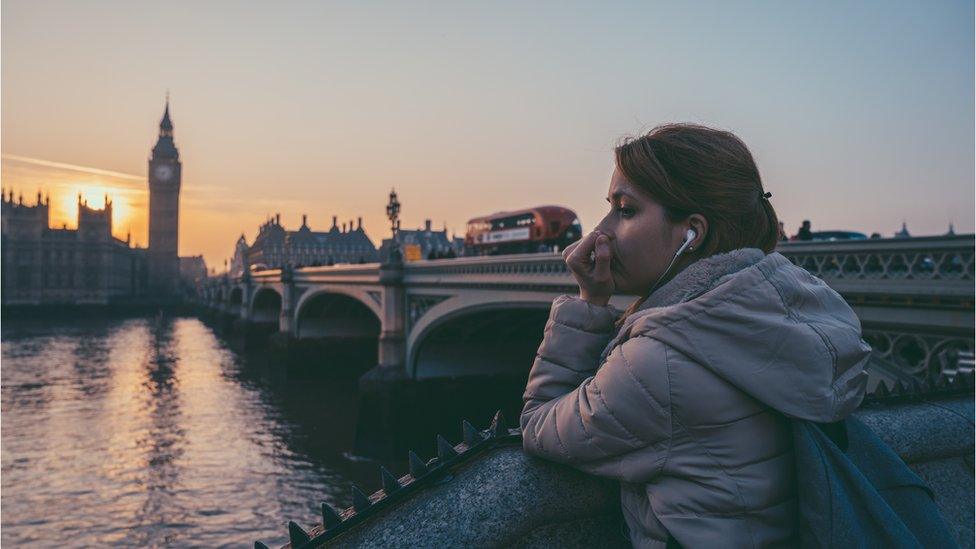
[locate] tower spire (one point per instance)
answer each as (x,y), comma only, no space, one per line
(166,125)
(165,148)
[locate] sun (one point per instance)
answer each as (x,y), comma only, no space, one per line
(94,195)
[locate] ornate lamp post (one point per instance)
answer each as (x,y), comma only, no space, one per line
(393,341)
(393,214)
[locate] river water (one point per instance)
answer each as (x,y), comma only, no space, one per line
(138,432)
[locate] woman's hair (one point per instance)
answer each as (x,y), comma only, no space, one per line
(688,169)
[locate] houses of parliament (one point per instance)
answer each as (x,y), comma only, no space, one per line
(88,265)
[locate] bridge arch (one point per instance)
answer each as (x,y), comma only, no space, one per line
(336,312)
(236,296)
(488,338)
(266,306)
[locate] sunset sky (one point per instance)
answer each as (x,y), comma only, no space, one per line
(860,114)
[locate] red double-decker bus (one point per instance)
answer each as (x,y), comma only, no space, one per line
(539,229)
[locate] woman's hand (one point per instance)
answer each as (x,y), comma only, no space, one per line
(588,260)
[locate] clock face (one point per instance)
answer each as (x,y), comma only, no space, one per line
(163,172)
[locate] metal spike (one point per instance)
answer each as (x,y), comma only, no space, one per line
(444,448)
(259,545)
(390,482)
(881,391)
(942,382)
(330,519)
(360,501)
(898,389)
(472,436)
(906,387)
(296,535)
(960,381)
(417,466)
(916,387)
(497,427)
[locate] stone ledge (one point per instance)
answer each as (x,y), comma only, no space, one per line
(910,429)
(506,498)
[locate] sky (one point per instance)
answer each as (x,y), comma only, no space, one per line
(860,115)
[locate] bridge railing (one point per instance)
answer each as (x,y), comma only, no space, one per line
(519,272)
(360,273)
(923,266)
(269,275)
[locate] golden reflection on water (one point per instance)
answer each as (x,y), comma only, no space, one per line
(133,433)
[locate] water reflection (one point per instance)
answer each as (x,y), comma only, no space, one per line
(138,433)
(162,443)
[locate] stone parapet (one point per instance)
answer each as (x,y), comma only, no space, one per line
(486,492)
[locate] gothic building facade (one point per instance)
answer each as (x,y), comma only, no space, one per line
(86,265)
(276,247)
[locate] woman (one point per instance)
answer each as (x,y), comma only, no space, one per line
(685,397)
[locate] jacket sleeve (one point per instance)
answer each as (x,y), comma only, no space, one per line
(613,421)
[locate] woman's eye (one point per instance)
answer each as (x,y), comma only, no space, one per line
(625,211)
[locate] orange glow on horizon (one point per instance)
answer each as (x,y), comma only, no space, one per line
(125,218)
(62,184)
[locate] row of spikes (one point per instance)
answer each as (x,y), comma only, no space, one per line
(930,385)
(331,519)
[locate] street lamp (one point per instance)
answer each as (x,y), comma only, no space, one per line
(393,214)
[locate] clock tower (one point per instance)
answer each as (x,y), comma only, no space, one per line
(164,211)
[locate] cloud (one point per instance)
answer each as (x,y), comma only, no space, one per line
(72,167)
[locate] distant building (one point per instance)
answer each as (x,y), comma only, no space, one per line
(86,265)
(193,270)
(903,233)
(238,263)
(431,243)
(275,247)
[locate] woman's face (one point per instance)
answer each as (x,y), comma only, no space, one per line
(642,240)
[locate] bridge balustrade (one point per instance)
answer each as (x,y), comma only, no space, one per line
(931,269)
(939,265)
(934,265)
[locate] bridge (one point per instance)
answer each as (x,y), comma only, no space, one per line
(484,315)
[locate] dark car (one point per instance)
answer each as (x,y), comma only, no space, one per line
(838,235)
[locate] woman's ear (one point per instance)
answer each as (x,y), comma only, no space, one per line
(700,226)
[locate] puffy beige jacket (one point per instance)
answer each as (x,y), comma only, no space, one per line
(687,404)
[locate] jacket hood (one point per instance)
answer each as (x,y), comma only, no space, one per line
(766,326)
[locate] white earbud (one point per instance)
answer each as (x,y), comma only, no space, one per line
(689,237)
